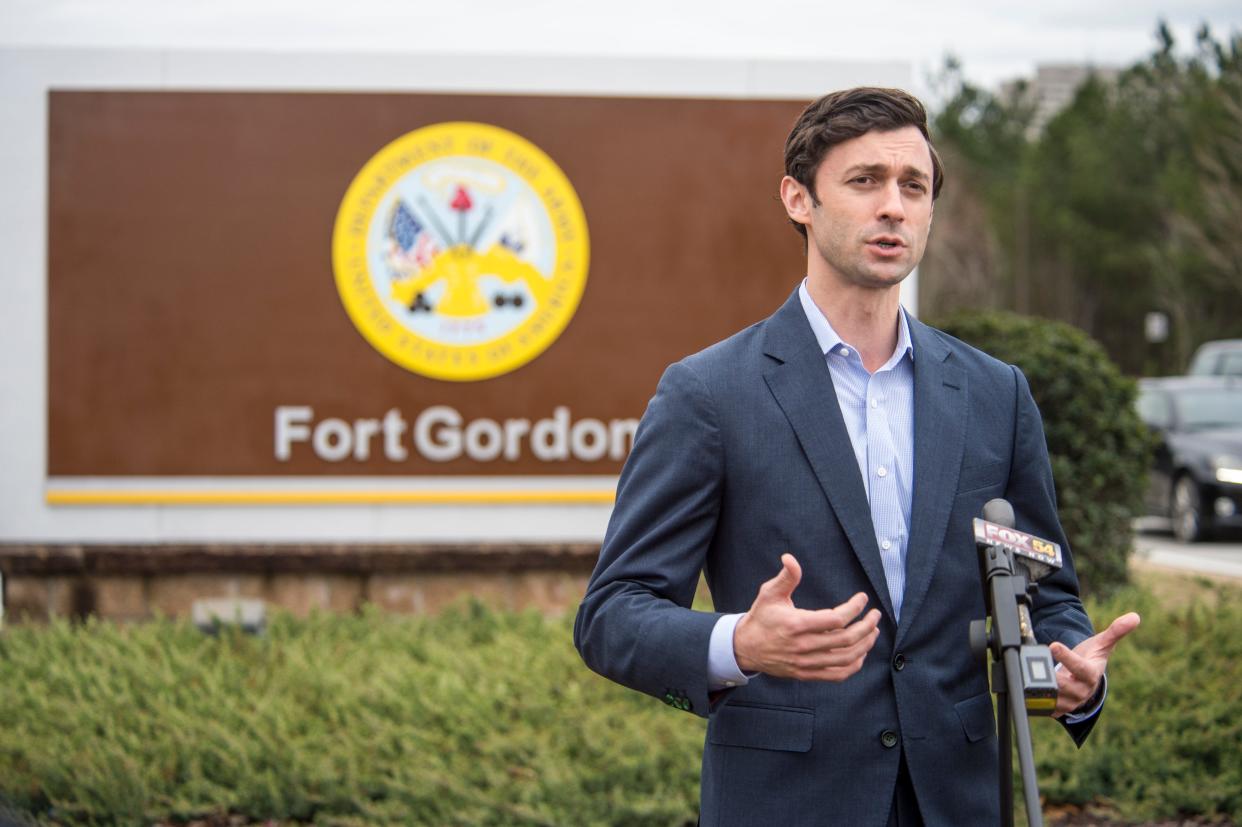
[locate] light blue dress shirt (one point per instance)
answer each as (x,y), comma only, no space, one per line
(878,409)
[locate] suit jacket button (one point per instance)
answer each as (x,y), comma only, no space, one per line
(899,661)
(888,738)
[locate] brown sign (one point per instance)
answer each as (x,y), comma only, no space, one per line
(196,326)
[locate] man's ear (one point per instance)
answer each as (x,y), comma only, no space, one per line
(797,201)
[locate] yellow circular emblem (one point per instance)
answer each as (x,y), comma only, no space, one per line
(460,251)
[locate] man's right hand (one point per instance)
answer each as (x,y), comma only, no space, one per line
(777,638)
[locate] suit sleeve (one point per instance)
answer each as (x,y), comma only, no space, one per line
(1058,612)
(635,625)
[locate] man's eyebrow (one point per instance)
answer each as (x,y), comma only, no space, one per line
(883,169)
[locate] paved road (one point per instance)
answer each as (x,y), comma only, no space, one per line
(1154,542)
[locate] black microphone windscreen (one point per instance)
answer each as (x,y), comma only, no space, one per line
(999,511)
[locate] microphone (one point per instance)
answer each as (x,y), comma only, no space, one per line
(999,511)
(1037,557)
(1011,561)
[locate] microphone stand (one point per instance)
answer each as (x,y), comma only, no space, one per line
(1023,672)
(1003,591)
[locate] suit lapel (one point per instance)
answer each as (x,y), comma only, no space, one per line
(802,385)
(939,438)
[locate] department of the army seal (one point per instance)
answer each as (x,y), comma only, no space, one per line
(460,251)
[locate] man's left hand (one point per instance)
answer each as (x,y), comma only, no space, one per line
(1083,666)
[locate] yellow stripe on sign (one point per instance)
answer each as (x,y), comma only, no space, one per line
(114,497)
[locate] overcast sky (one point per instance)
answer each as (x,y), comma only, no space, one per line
(994,41)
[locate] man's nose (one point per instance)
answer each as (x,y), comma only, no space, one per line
(891,206)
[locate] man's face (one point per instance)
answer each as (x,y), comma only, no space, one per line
(875,208)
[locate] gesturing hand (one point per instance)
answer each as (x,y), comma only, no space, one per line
(779,639)
(1083,666)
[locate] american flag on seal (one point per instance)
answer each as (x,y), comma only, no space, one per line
(410,246)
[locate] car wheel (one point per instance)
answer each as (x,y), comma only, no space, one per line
(1188,522)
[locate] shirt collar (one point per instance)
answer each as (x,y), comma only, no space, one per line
(828,338)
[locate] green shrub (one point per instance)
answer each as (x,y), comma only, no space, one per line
(471,718)
(1169,744)
(485,718)
(1099,448)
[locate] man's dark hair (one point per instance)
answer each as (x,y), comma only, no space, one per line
(839,116)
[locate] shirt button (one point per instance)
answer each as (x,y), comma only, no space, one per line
(730,683)
(875,404)
(886,545)
(845,351)
(888,738)
(881,471)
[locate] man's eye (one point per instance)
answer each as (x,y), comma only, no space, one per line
(916,186)
(863,179)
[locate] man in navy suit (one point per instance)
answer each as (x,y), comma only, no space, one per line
(822,468)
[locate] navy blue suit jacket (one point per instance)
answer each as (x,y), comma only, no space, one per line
(742,455)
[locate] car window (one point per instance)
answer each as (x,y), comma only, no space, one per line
(1209,408)
(1230,363)
(1202,364)
(1222,358)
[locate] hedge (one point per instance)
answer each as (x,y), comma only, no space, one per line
(1169,744)
(479,717)
(472,718)
(1100,449)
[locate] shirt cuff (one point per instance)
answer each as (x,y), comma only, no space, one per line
(722,669)
(1078,716)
